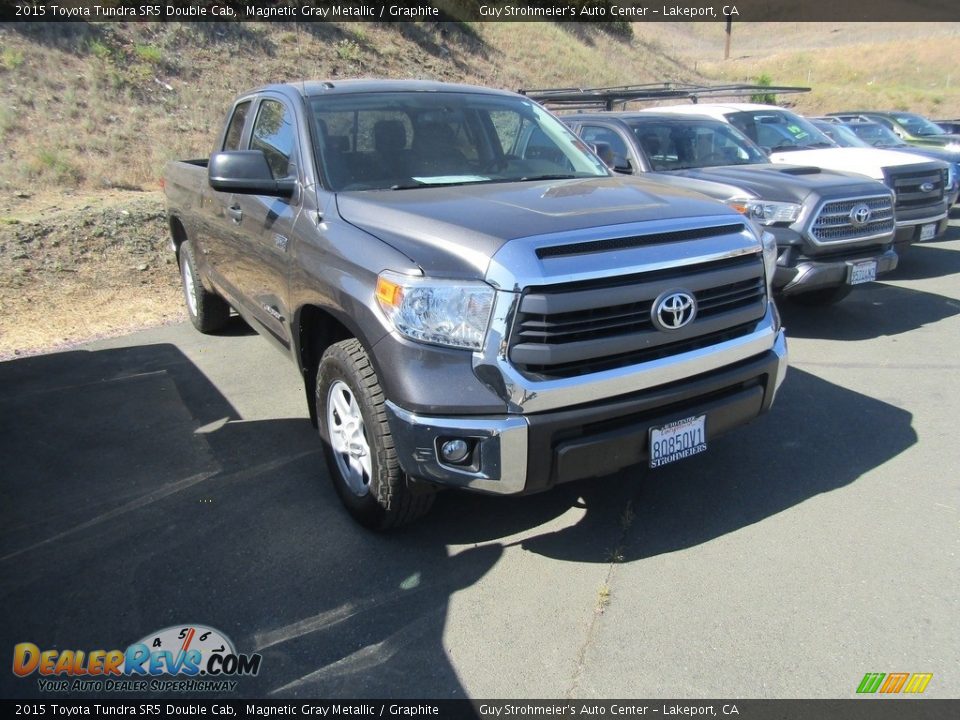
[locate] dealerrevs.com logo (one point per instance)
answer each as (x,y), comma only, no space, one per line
(181,658)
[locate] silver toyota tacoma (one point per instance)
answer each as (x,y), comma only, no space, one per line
(472,298)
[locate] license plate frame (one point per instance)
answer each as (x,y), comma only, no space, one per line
(861,272)
(688,436)
(928,231)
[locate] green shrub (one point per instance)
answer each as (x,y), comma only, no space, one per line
(149,53)
(11,59)
(100,49)
(763,98)
(53,165)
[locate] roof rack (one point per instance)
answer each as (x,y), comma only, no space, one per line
(605,98)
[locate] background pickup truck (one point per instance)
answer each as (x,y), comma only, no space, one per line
(920,187)
(472,298)
(833,230)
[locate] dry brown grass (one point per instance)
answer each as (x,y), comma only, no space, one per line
(107,106)
(83,267)
(95,109)
(902,66)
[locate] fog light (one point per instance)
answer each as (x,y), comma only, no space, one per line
(455,451)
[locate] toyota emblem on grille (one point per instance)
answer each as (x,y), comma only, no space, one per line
(927,187)
(673,310)
(860,214)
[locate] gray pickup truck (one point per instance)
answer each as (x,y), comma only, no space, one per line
(473,299)
(833,230)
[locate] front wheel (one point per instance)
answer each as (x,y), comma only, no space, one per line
(359,448)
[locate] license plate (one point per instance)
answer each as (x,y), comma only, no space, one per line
(677,440)
(928,231)
(862,272)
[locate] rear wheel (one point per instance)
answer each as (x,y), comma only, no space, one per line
(208,311)
(360,453)
(827,296)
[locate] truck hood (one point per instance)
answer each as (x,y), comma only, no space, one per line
(863,161)
(940,140)
(778,182)
(929,151)
(454,231)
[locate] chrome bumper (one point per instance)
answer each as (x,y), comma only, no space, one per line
(502,441)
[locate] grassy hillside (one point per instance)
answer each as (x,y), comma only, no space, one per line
(89,114)
(104,106)
(896,66)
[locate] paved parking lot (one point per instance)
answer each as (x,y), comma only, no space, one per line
(168,478)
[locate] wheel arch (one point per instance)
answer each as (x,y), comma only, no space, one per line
(316,329)
(178,234)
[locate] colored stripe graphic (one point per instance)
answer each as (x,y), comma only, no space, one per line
(870,682)
(918,682)
(894,682)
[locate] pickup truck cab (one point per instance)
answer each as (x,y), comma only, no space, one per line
(858,132)
(910,127)
(919,186)
(472,298)
(833,230)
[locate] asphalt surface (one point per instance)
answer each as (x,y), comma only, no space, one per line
(168,478)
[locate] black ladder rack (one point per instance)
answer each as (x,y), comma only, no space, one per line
(606,98)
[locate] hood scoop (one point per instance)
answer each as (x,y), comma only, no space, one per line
(593,246)
(804,170)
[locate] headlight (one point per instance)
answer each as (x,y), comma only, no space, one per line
(953,175)
(952,147)
(443,312)
(770,253)
(766,212)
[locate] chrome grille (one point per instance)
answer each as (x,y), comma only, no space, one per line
(833,223)
(572,329)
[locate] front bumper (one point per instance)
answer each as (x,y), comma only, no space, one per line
(909,229)
(803,274)
(520,454)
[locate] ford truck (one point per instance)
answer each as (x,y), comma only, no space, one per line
(472,298)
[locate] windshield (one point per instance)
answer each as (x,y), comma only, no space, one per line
(777,130)
(406,140)
(918,125)
(877,135)
(684,143)
(842,135)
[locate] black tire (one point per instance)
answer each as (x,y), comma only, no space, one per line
(381,498)
(209,312)
(827,296)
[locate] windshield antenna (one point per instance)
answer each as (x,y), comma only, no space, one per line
(303,77)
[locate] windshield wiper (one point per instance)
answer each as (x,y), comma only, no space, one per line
(526,178)
(421,184)
(409,186)
(785,148)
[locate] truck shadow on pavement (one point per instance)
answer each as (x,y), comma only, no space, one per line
(870,312)
(817,438)
(134,498)
(930,260)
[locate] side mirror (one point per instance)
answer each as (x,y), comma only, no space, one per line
(247,172)
(622,165)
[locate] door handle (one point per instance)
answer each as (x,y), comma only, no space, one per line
(235,212)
